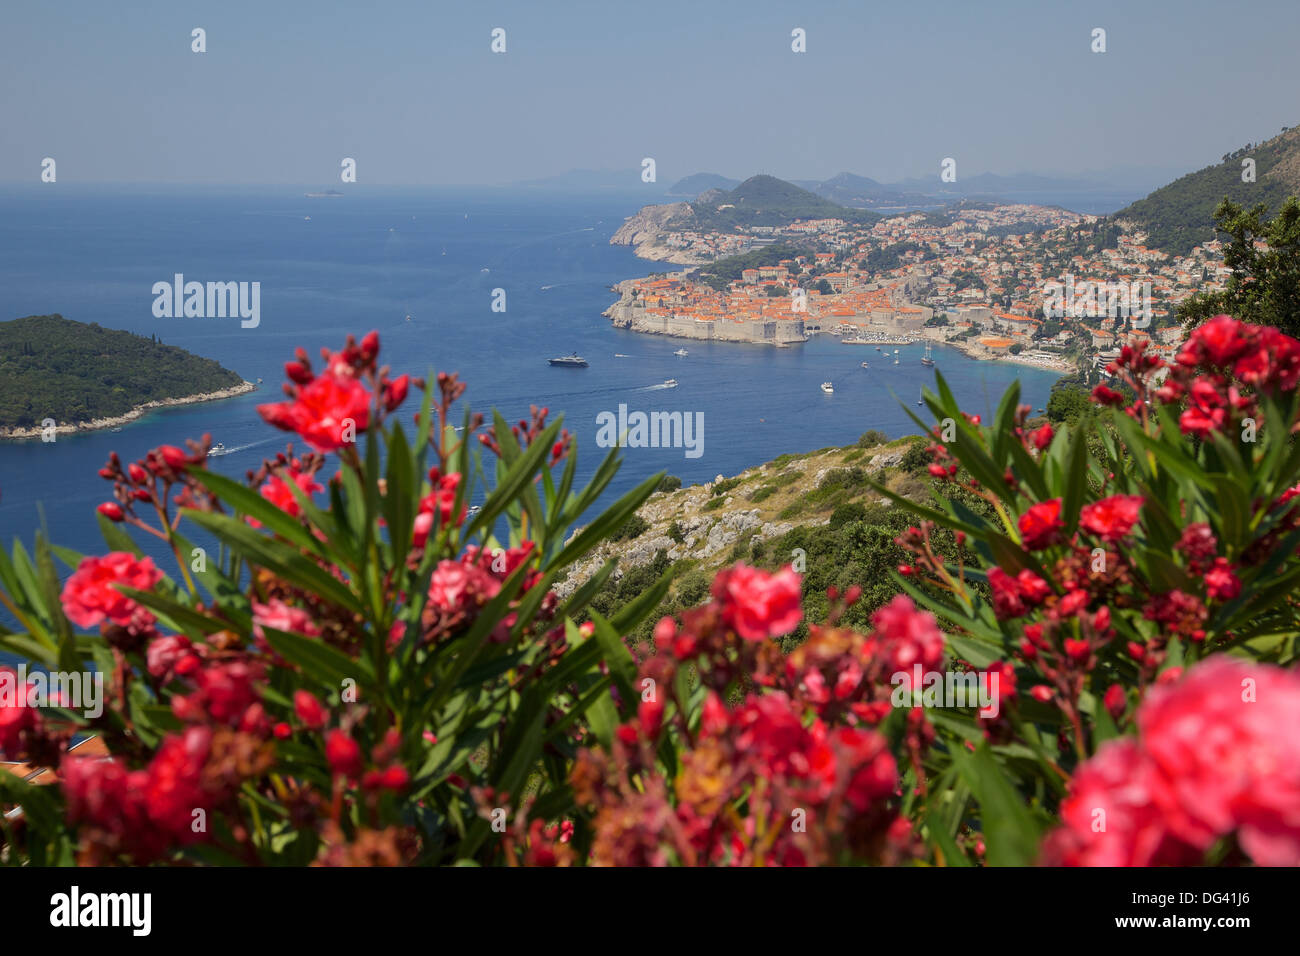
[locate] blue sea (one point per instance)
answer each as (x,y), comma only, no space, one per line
(366,261)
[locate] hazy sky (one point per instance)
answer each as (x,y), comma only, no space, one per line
(412,91)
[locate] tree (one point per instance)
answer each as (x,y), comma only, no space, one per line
(1264,287)
(1068,405)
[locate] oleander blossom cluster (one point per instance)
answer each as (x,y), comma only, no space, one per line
(1216,761)
(794,772)
(379,679)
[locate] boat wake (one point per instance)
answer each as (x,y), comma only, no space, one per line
(254,444)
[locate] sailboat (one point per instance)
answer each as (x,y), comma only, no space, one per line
(926,360)
(920,396)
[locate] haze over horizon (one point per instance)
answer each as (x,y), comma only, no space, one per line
(415,94)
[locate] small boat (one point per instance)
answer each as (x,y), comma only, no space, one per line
(920,397)
(681,352)
(620,355)
(570,361)
(119,427)
(926,360)
(895,361)
(865,365)
(408,317)
(472,510)
(217,450)
(828,388)
(895,351)
(670,383)
(877,348)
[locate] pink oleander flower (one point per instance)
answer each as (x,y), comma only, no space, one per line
(276,490)
(908,636)
(90,595)
(321,410)
(757,605)
(1216,756)
(1040,525)
(1113,518)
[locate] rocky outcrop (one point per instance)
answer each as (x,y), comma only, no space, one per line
(647,224)
(694,524)
(646,229)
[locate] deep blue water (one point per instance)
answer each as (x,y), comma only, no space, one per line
(368,260)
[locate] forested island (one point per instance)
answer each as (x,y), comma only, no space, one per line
(85,376)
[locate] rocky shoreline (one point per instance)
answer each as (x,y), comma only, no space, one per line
(644,232)
(23,434)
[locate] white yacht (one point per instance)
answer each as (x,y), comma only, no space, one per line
(865,365)
(681,352)
(827,387)
(217,450)
(670,383)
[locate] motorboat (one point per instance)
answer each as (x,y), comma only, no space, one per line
(670,383)
(827,387)
(681,352)
(865,365)
(570,361)
(217,450)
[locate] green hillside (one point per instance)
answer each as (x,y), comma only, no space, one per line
(52,367)
(1180,215)
(768,201)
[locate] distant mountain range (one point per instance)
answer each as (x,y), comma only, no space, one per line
(692,186)
(1084,193)
(1176,216)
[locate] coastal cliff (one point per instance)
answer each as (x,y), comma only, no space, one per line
(645,230)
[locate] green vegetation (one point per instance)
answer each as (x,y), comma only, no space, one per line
(891,257)
(1264,287)
(52,367)
(722,273)
(1178,216)
(1068,404)
(768,201)
(633,528)
(916,459)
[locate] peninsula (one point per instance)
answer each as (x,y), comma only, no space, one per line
(769,262)
(83,376)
